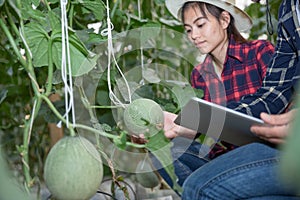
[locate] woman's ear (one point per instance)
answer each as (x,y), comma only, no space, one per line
(225,19)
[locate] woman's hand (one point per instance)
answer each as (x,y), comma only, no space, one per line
(173,130)
(276,128)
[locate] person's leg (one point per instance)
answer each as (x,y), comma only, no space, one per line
(188,155)
(248,172)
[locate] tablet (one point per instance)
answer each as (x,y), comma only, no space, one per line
(218,122)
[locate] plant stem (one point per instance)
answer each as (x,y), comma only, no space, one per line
(114,8)
(108,135)
(11,22)
(47,4)
(71,14)
(25,158)
(12,42)
(52,107)
(104,107)
(26,141)
(27,130)
(57,114)
(50,68)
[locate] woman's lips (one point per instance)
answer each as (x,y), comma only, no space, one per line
(199,44)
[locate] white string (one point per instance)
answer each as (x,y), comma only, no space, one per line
(142,50)
(108,32)
(31,121)
(66,71)
(139,9)
(25,43)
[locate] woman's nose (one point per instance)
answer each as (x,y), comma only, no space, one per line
(195,34)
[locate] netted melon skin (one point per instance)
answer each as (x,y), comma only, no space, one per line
(143,116)
(73,169)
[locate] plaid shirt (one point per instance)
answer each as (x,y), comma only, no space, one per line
(283,71)
(244,69)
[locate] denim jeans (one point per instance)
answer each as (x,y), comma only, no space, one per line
(248,172)
(188,156)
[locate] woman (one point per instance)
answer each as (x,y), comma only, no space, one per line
(253,171)
(233,67)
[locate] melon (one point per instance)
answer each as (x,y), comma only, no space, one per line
(146,176)
(143,116)
(73,169)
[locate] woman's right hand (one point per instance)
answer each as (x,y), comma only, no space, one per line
(173,130)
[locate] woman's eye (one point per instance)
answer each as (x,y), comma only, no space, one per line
(200,25)
(188,31)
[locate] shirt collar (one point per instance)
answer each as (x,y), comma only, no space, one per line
(233,48)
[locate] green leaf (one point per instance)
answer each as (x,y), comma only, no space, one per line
(28,13)
(150,75)
(73,39)
(149,31)
(35,2)
(181,95)
(57,79)
(120,142)
(95,39)
(54,21)
(80,64)
(12,4)
(97,8)
(3,95)
(160,147)
(82,61)
(37,39)
(102,97)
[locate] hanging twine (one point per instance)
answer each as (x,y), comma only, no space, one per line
(66,71)
(269,19)
(108,32)
(142,50)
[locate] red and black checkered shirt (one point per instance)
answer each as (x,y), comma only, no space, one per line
(244,69)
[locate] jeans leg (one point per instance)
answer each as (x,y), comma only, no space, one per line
(188,156)
(248,172)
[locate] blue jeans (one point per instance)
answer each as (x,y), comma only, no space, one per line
(248,172)
(188,156)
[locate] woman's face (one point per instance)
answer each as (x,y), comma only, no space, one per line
(207,33)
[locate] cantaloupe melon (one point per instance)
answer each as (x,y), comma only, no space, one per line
(146,176)
(143,116)
(73,169)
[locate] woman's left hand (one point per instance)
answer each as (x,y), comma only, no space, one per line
(276,128)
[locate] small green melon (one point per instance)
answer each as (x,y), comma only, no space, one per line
(73,169)
(146,176)
(143,116)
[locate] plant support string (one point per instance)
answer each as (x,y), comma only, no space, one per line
(108,32)
(66,71)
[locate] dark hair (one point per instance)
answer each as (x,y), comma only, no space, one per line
(216,12)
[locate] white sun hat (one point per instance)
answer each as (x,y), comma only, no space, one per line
(242,20)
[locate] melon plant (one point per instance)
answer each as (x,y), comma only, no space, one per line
(73,169)
(143,116)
